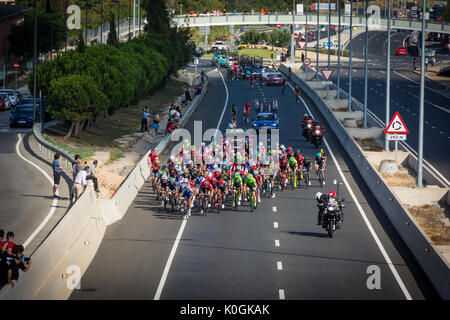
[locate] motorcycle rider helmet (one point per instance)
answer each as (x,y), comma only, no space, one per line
(332,194)
(316,123)
(305,115)
(318,195)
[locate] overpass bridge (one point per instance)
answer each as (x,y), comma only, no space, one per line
(286,19)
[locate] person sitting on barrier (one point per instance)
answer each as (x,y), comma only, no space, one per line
(90,175)
(11,265)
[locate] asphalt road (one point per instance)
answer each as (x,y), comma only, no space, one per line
(25,192)
(405,95)
(243,255)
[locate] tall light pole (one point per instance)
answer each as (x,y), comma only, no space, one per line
(140,18)
(134,18)
(129,19)
(419,182)
(181,9)
(306,31)
(5,78)
(350,54)
(34,60)
(292,35)
(67,29)
(366,65)
(101,20)
(317,40)
(329,26)
(86,7)
(388,74)
(339,50)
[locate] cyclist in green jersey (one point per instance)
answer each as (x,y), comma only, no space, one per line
(236,181)
(251,183)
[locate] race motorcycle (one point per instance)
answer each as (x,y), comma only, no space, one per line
(307,130)
(332,216)
(317,137)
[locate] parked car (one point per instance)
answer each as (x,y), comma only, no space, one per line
(13,95)
(219,45)
(266,120)
(275,79)
(22,116)
(401,51)
(3,102)
(243,45)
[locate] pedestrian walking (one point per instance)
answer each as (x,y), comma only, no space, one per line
(80,183)
(57,171)
(145,115)
(303,57)
(426,63)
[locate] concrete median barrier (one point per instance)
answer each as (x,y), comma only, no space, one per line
(429,257)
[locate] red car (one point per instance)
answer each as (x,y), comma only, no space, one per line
(401,51)
(275,79)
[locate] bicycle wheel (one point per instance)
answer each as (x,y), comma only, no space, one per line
(251,202)
(321,178)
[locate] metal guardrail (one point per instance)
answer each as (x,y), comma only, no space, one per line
(47,148)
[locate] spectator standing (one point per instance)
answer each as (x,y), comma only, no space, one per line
(155,124)
(144,122)
(426,63)
(80,183)
(57,171)
(12,264)
(303,57)
(8,244)
(2,234)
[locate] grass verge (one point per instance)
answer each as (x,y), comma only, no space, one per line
(124,121)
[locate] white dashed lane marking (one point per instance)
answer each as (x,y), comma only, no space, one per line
(277,243)
(281,294)
(279,265)
(275,225)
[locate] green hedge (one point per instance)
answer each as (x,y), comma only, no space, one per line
(80,86)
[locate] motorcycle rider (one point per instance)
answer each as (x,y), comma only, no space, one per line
(323,200)
(305,117)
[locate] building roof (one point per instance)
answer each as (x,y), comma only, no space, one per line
(11,10)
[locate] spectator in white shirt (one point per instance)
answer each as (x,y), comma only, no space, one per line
(80,183)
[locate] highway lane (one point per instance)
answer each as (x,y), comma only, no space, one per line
(404,97)
(235,255)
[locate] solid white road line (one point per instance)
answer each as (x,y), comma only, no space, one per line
(364,216)
(169,261)
(279,265)
(277,243)
(183,224)
(281,294)
(432,104)
(275,225)
(54,202)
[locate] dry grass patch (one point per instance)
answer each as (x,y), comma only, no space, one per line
(369,144)
(433,222)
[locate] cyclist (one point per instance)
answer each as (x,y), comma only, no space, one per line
(171,188)
(221,189)
(297,93)
(299,157)
(306,166)
(185,194)
(206,189)
(163,187)
(251,184)
(233,111)
(319,164)
(293,168)
(236,182)
(246,111)
(283,85)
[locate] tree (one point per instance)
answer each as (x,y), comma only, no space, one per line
(75,98)
(112,35)
(157,16)
(51,31)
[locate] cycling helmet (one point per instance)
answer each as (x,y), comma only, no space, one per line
(221,181)
(256,172)
(292,158)
(164,167)
(282,147)
(318,195)
(332,194)
(242,173)
(172,179)
(298,151)
(250,176)
(186,171)
(237,175)
(319,155)
(289,149)
(164,177)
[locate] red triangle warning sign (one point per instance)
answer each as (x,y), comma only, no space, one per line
(327,73)
(301,44)
(396,126)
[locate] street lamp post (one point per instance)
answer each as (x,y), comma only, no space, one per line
(5,79)
(34,60)
(419,182)
(388,73)
(350,54)
(118,18)
(129,19)
(181,9)
(101,20)
(292,36)
(306,31)
(339,50)
(317,40)
(140,18)
(86,27)
(366,66)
